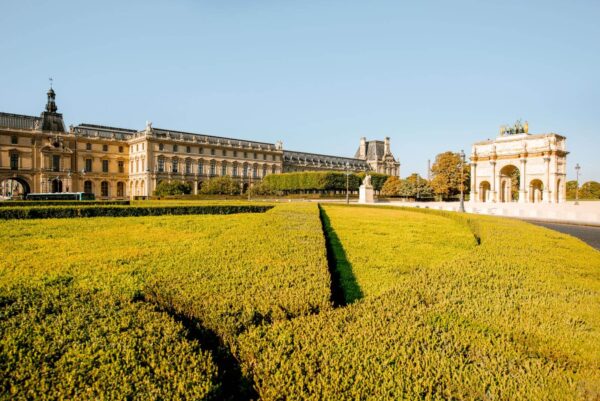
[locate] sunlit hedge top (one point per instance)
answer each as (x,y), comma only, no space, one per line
(320,181)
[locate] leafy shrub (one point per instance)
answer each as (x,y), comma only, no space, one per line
(509,319)
(311,181)
(58,342)
(172,188)
(63,203)
(220,186)
(124,211)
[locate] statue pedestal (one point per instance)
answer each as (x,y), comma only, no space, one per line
(366,194)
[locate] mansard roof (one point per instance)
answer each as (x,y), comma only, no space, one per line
(375,150)
(102,131)
(19,121)
(212,139)
(315,159)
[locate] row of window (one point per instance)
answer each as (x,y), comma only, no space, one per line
(246,169)
(88,146)
(56,159)
(105,165)
(188,149)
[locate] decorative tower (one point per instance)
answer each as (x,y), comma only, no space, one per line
(51,120)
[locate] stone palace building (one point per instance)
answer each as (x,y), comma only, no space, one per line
(38,154)
(519,167)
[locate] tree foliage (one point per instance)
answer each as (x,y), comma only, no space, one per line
(413,186)
(165,188)
(588,191)
(446,172)
(221,186)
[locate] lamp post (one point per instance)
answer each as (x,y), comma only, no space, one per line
(347,183)
(462,189)
(577,168)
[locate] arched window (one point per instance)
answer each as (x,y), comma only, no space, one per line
(161,164)
(200,167)
(245,171)
(175,164)
(264,172)
(120,189)
(213,168)
(235,170)
(104,189)
(273,169)
(224,168)
(255,171)
(87,187)
(188,166)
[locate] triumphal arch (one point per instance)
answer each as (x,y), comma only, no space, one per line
(519,167)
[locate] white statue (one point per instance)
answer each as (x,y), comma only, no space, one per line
(367,181)
(148,126)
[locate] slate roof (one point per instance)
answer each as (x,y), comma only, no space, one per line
(375,150)
(317,160)
(19,121)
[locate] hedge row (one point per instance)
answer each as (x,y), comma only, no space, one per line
(62,203)
(320,181)
(123,211)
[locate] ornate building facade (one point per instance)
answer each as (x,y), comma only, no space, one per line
(37,154)
(519,166)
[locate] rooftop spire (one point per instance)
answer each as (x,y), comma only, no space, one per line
(51,104)
(51,120)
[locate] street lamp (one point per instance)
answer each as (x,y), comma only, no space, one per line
(347,168)
(577,168)
(462,189)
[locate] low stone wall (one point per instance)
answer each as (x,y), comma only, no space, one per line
(587,212)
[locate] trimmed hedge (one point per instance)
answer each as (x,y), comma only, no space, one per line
(62,203)
(124,211)
(311,181)
(320,181)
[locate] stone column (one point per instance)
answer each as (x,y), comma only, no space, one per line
(474,195)
(196,186)
(495,182)
(546,195)
(523,186)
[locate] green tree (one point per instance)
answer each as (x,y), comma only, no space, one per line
(590,190)
(420,187)
(446,173)
(571,189)
(221,186)
(165,188)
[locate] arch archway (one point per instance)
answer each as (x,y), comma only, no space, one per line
(56,185)
(509,183)
(14,187)
(484,191)
(536,190)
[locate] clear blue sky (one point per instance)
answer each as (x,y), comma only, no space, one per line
(432,75)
